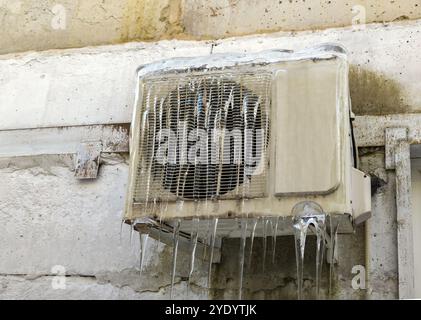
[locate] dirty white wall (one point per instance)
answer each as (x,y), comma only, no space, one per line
(47,218)
(46,24)
(95,85)
(219,18)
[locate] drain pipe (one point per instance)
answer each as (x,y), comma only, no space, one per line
(398,157)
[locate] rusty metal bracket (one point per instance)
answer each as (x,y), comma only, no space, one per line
(398,157)
(87,160)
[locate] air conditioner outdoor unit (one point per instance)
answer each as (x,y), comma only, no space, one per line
(238,136)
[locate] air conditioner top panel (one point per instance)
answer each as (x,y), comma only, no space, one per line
(224,60)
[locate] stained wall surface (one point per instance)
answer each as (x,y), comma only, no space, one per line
(48,24)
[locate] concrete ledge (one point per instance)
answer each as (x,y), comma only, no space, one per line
(96,85)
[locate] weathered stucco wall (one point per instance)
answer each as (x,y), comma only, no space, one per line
(95,85)
(52,223)
(48,218)
(219,18)
(45,24)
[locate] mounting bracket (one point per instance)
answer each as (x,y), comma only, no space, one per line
(87,160)
(398,158)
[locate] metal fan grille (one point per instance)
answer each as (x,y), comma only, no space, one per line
(203,136)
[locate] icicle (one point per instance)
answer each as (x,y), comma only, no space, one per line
(264,226)
(241,255)
(144,130)
(180,205)
(320,231)
(160,227)
(305,214)
(143,243)
(271,233)
(244,110)
(300,234)
(253,233)
(131,233)
(320,247)
(212,245)
(174,254)
(151,160)
(181,143)
(275,234)
(121,230)
(164,160)
(333,237)
(206,240)
(193,247)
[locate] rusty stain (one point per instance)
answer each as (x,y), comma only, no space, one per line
(150,20)
(87,160)
(119,138)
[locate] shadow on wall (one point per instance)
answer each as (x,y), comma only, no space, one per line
(374,94)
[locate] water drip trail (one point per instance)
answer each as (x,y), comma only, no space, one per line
(174,257)
(241,255)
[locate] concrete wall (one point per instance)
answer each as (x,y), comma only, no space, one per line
(52,223)
(46,24)
(95,85)
(219,18)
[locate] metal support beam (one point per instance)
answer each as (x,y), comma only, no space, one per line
(398,158)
